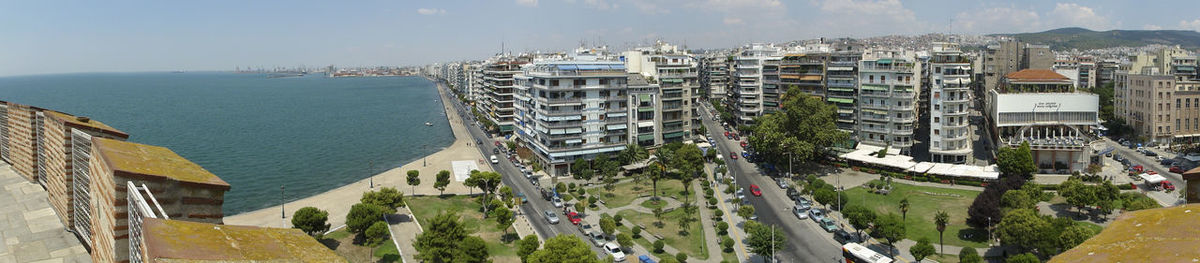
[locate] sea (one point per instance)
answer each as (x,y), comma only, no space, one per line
(306,134)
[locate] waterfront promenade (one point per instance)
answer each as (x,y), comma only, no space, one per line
(338,201)
(30,230)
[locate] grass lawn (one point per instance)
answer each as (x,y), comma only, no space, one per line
(924,204)
(691,244)
(426,207)
(387,252)
(342,244)
(943,258)
(654,204)
(625,192)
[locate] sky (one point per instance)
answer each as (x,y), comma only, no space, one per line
(47,37)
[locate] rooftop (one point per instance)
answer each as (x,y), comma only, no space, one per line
(153,161)
(184,241)
(85,122)
(1162,234)
(1036,75)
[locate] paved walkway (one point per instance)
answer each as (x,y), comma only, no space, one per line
(29,227)
(405,229)
(338,201)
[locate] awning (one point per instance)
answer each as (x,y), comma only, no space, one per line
(811,77)
(840,68)
(617,127)
(645,124)
(877,112)
(841,100)
(1152,178)
(645,137)
(904,88)
(646,109)
(842,89)
(644,97)
(673,135)
(672,80)
(874,87)
(884,61)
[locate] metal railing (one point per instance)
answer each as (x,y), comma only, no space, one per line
(139,209)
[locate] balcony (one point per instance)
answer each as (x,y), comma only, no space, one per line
(906,119)
(908,107)
(908,131)
(664,75)
(959,99)
(876,94)
(878,129)
(961,124)
(955,113)
(903,95)
(871,117)
(902,144)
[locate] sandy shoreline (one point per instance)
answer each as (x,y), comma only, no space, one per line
(338,201)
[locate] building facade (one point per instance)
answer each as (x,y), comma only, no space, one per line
(714,75)
(22,140)
(1044,109)
(747,90)
(497,93)
(677,74)
(60,156)
(1009,56)
(949,72)
(888,94)
(1158,95)
(841,84)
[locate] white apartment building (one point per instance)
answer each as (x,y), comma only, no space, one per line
(497,94)
(748,78)
(1044,109)
(676,73)
(949,104)
(714,75)
(888,82)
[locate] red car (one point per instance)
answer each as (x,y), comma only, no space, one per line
(733,155)
(1137,168)
(754,190)
(573,217)
(1176,169)
(1166,185)
(743,143)
(727,134)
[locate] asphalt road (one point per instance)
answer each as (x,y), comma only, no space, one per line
(1136,158)
(806,241)
(513,178)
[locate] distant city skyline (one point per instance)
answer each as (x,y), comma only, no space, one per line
(52,37)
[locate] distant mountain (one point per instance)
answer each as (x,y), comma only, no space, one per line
(1082,38)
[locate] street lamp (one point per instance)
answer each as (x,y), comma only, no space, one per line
(282,211)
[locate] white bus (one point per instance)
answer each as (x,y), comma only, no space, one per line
(855,253)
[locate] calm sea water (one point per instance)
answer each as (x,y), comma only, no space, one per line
(309,134)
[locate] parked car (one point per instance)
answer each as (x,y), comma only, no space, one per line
(755,191)
(740,194)
(1165,161)
(800,212)
(743,143)
(828,225)
(558,202)
(843,237)
(585,228)
(1150,153)
(782,183)
(745,154)
(1176,169)
(792,193)
(522,197)
(597,238)
(645,259)
(816,214)
(573,217)
(803,203)
(733,155)
(551,217)
(615,251)
(546,194)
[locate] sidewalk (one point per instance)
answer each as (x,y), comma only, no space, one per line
(31,230)
(405,229)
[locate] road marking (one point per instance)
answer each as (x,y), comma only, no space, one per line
(730,215)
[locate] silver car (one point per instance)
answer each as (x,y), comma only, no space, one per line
(558,202)
(783,183)
(801,212)
(597,238)
(551,217)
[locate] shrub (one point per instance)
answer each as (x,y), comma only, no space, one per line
(727,243)
(722,228)
(708,192)
(1049,187)
(712,201)
(571,187)
(377,233)
(362,216)
(658,246)
(1125,186)
(681,257)
(637,232)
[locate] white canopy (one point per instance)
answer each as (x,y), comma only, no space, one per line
(1152,178)
(866,154)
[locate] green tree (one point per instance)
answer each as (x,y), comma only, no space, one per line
(527,246)
(414,179)
(689,161)
(722,228)
(904,209)
(802,129)
(941,219)
(632,153)
(727,243)
(1016,161)
(504,218)
(658,214)
(486,182)
(608,226)
(922,249)
(311,220)
(377,233)
(506,194)
(443,180)
(580,206)
(1078,195)
(859,216)
(684,222)
(439,242)
(658,171)
(1018,199)
(624,240)
(362,216)
(1023,258)
(387,197)
(658,246)
(1020,227)
(617,219)
(890,228)
(471,249)
(764,240)
(637,232)
(745,211)
(1073,236)
(969,255)
(681,257)
(581,170)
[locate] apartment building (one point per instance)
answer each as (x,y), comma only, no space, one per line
(60,157)
(949,79)
(575,109)
(1044,109)
(676,73)
(754,65)
(1158,95)
(714,75)
(841,84)
(186,191)
(1009,56)
(644,112)
(887,100)
(801,70)
(497,93)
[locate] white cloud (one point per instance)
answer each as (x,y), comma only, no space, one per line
(529,3)
(598,4)
(1075,15)
(431,11)
(869,17)
(734,4)
(997,20)
(1190,25)
(733,21)
(1152,27)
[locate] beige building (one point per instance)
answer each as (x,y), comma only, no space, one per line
(1011,56)
(59,156)
(1158,95)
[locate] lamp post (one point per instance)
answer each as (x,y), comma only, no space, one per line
(372,177)
(426,158)
(282,211)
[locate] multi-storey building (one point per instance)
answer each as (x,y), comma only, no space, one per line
(1106,72)
(1043,108)
(575,109)
(1158,95)
(841,84)
(1011,56)
(747,90)
(59,131)
(714,75)
(497,98)
(802,70)
(949,72)
(888,81)
(644,113)
(676,74)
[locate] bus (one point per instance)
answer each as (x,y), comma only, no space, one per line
(855,253)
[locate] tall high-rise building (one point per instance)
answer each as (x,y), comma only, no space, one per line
(714,75)
(949,72)
(1009,56)
(747,90)
(888,85)
(677,75)
(841,84)
(497,95)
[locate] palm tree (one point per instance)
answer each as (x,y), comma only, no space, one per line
(941,219)
(660,161)
(904,209)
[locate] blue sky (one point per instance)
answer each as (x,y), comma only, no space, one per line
(40,37)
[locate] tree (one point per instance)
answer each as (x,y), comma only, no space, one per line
(969,255)
(527,246)
(722,228)
(440,241)
(802,129)
(727,243)
(1073,236)
(1023,258)
(658,214)
(1017,199)
(632,153)
(689,161)
(506,194)
(904,209)
(486,182)
(860,217)
(941,219)
(764,240)
(443,180)
(890,228)
(362,216)
(1020,227)
(922,249)
(471,249)
(608,226)
(617,219)
(1016,161)
(681,257)
(504,218)
(414,179)
(637,232)
(624,240)
(987,205)
(746,211)
(387,197)
(684,222)
(311,220)
(579,206)
(1078,194)
(377,233)
(581,170)
(661,157)
(658,246)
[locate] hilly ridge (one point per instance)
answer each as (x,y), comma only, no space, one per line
(1082,38)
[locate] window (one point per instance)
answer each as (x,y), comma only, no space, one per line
(882,79)
(937,132)
(1176,125)
(554,82)
(871,78)
(603,81)
(937,119)
(580,82)
(937,94)
(937,107)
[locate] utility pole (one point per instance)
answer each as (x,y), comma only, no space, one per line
(989,231)
(282,211)
(772,243)
(372,176)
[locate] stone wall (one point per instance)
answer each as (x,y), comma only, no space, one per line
(22,140)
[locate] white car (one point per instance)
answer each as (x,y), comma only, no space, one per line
(558,202)
(615,250)
(597,238)
(495,160)
(551,217)
(741,194)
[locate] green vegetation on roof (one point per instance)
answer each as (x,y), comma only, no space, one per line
(184,241)
(153,161)
(90,123)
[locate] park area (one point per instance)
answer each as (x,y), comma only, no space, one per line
(469,210)
(625,192)
(924,204)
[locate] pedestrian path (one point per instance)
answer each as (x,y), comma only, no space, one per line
(29,228)
(405,229)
